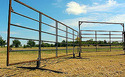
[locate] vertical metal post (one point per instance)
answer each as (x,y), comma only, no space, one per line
(56,39)
(8,35)
(124,42)
(123,27)
(122,33)
(73,45)
(96,39)
(66,40)
(123,39)
(39,53)
(80,41)
(110,39)
(77,42)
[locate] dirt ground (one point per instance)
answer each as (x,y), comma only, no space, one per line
(94,64)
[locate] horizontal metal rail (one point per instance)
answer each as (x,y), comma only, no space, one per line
(23,38)
(43,14)
(23,50)
(98,48)
(25,16)
(43,50)
(102,48)
(100,22)
(24,27)
(104,37)
(41,40)
(120,41)
(87,48)
(100,31)
(101,44)
(116,47)
(100,34)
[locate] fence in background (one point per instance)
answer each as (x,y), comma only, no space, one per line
(97,34)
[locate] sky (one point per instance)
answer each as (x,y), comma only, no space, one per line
(67,11)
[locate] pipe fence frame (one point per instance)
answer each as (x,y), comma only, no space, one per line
(80,34)
(40,36)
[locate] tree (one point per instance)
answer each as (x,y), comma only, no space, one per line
(52,45)
(31,43)
(16,43)
(2,42)
(63,43)
(105,42)
(25,46)
(115,42)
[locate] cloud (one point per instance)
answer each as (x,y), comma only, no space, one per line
(76,8)
(95,3)
(118,18)
(58,3)
(110,4)
(17,23)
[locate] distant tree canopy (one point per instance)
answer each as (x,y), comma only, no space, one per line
(31,43)
(63,43)
(16,43)
(2,42)
(104,43)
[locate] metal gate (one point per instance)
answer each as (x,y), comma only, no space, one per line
(93,40)
(68,30)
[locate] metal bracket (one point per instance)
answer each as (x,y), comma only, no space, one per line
(80,23)
(12,9)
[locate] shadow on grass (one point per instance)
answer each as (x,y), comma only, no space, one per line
(5,68)
(76,58)
(34,68)
(121,54)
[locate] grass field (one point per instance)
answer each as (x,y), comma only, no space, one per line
(94,64)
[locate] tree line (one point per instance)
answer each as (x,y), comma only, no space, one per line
(101,43)
(31,43)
